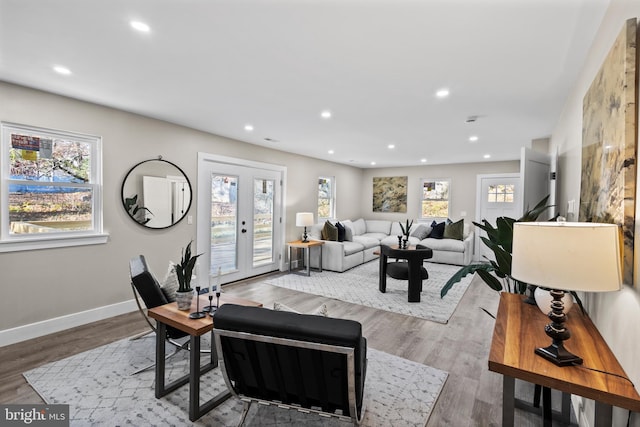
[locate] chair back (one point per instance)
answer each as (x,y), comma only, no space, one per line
(297,360)
(145,283)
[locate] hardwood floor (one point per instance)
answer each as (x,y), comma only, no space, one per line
(472,396)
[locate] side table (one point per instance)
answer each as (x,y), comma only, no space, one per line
(306,248)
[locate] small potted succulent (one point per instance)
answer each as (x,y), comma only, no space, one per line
(184,271)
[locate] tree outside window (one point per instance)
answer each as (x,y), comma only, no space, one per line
(53,183)
(326,205)
(435,198)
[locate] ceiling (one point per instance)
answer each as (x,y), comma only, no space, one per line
(218,65)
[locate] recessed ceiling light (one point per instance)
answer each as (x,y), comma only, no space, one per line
(248,127)
(373,163)
(487,156)
(391,146)
(62,70)
(330,151)
(442,93)
(423,160)
(473,138)
(326,114)
(140,26)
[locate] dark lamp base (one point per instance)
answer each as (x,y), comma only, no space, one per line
(559,355)
(196,315)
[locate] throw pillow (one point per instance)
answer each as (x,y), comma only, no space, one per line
(320,311)
(329,232)
(454,230)
(170,283)
(421,232)
(341,232)
(437,231)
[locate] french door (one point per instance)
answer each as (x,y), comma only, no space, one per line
(239,218)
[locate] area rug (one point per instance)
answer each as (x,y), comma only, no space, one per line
(360,286)
(100,390)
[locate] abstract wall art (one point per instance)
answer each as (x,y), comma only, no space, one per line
(390,194)
(609,140)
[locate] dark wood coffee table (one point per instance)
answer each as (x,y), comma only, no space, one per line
(415,257)
(169,314)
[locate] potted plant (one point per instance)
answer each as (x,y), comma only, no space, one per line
(405,232)
(497,274)
(136,212)
(184,271)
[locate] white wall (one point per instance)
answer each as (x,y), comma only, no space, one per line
(462,191)
(58,283)
(617,316)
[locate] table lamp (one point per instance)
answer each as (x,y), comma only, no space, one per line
(566,256)
(304,219)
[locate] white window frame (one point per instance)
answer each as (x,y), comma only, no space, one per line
(22,242)
(332,199)
(422,199)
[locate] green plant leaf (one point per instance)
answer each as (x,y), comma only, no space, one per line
(467,269)
(534,213)
(490,280)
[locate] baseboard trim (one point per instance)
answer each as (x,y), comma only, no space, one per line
(57,324)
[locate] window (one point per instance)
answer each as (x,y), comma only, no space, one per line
(51,192)
(501,193)
(435,198)
(326,198)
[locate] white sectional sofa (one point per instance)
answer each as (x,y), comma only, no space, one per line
(363,238)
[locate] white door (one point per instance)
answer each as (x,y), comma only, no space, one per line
(156,194)
(239,218)
(497,195)
(535,176)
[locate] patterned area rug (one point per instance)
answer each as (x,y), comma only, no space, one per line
(360,286)
(100,391)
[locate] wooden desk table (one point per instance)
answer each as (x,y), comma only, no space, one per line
(519,330)
(169,314)
(306,248)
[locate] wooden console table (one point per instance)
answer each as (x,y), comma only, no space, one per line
(519,330)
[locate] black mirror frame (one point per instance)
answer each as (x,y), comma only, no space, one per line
(124,198)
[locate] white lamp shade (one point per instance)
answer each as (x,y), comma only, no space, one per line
(304,219)
(570,256)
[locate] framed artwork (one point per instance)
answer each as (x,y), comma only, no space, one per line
(608,185)
(390,194)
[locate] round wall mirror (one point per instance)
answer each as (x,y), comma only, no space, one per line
(156,193)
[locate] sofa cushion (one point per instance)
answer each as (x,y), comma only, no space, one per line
(378,226)
(422,231)
(329,232)
(348,230)
(455,230)
(320,311)
(393,240)
(315,232)
(450,245)
(437,231)
(366,241)
(359,227)
(352,247)
(341,231)
(377,236)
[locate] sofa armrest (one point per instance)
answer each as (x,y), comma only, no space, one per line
(468,248)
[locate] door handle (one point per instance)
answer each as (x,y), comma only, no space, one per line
(244,230)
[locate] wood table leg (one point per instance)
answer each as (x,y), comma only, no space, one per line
(508,400)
